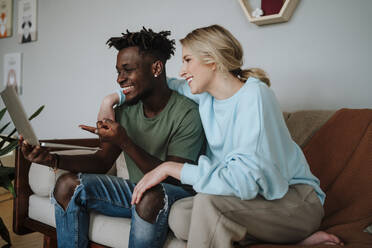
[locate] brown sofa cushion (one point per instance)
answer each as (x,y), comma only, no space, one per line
(340,155)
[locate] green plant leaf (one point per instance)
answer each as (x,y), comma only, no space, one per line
(37,112)
(6,138)
(2,113)
(4,127)
(11,190)
(7,174)
(4,233)
(12,145)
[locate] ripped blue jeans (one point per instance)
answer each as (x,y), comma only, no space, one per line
(111,196)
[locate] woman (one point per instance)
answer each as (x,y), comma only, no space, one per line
(254,183)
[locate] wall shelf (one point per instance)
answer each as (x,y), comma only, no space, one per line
(283,16)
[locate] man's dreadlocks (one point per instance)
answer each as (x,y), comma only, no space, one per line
(147,41)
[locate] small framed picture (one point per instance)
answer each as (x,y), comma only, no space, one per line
(12,70)
(27,21)
(6,10)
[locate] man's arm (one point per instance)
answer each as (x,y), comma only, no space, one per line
(144,160)
(99,162)
(114,133)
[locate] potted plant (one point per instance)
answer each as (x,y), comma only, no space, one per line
(7,174)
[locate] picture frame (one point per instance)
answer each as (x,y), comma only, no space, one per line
(6,18)
(13,71)
(27,21)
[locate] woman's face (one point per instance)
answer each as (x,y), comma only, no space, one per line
(198,75)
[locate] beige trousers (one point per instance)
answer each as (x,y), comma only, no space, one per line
(225,221)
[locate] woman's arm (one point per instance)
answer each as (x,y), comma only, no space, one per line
(106,110)
(254,150)
(181,86)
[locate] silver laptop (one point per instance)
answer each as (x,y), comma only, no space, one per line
(23,125)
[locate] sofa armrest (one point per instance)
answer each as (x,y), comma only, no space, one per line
(22,187)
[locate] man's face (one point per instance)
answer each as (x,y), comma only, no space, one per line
(134,74)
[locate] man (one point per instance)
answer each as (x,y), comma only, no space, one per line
(155,125)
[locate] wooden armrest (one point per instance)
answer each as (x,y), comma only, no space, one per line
(22,187)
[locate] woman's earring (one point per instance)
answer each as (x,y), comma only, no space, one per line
(156,75)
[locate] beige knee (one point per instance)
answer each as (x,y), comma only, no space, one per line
(180,217)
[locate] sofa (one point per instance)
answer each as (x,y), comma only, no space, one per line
(337,145)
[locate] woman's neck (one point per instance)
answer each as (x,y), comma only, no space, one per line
(224,86)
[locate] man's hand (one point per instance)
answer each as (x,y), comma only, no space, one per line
(35,154)
(109,131)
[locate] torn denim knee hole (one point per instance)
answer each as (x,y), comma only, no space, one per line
(77,189)
(165,207)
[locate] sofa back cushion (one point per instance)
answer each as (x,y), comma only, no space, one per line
(304,124)
(340,155)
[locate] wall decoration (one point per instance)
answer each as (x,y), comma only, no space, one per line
(6,10)
(271,7)
(27,25)
(12,70)
(276,11)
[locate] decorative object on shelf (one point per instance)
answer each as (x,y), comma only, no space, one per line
(7,174)
(27,23)
(257,13)
(6,10)
(12,71)
(285,13)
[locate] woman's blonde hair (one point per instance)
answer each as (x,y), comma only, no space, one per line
(215,44)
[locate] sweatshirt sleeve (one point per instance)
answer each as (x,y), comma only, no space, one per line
(245,170)
(181,86)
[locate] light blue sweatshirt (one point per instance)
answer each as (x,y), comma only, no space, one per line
(250,150)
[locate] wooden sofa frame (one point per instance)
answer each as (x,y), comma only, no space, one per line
(22,224)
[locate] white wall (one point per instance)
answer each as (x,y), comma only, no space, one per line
(320,59)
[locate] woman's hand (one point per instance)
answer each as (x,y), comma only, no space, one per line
(155,177)
(149,180)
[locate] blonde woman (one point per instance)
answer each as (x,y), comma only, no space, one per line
(254,183)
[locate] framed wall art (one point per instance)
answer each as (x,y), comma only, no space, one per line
(12,70)
(6,21)
(27,21)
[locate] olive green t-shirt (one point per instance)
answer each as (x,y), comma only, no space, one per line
(175,131)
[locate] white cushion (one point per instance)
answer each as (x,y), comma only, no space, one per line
(105,230)
(42,178)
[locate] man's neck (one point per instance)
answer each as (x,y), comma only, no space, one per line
(159,98)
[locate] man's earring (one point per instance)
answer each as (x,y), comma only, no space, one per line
(156,75)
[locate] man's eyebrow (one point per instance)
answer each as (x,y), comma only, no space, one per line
(122,65)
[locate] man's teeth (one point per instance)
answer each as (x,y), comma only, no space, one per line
(189,79)
(128,88)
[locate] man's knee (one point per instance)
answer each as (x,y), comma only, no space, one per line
(151,203)
(65,188)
